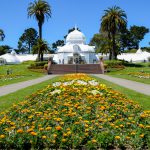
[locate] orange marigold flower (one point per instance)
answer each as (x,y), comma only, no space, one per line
(58,128)
(19,131)
(33,133)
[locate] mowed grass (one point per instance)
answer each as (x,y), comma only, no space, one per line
(7,101)
(19,69)
(124,73)
(143,100)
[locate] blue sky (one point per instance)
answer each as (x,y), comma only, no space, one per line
(86,14)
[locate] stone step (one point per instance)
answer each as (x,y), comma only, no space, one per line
(72,68)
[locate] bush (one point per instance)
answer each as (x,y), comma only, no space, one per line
(37,65)
(113,65)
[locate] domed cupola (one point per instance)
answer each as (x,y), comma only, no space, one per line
(75,37)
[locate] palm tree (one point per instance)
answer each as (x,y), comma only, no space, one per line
(41,46)
(2,35)
(40,9)
(112,22)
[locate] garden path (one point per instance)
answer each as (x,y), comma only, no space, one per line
(133,85)
(4,90)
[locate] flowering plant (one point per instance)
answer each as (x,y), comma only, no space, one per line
(73,113)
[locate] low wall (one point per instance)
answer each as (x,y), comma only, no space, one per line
(75,68)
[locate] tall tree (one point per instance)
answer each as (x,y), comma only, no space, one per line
(101,43)
(130,38)
(4,49)
(137,34)
(2,35)
(112,22)
(57,43)
(41,46)
(28,39)
(40,9)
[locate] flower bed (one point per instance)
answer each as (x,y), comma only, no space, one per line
(76,112)
(10,77)
(140,75)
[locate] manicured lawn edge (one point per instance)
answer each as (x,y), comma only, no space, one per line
(130,78)
(142,99)
(14,98)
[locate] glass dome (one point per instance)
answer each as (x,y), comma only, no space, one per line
(75,37)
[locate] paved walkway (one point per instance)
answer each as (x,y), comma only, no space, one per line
(4,90)
(136,86)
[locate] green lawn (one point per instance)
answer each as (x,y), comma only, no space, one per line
(124,73)
(7,101)
(19,73)
(142,99)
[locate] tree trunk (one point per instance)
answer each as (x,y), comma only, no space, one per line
(110,51)
(29,47)
(114,54)
(40,55)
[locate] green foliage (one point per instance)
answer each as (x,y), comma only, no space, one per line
(2,35)
(39,9)
(41,47)
(57,43)
(101,42)
(112,22)
(37,65)
(131,37)
(114,64)
(27,40)
(4,49)
(138,33)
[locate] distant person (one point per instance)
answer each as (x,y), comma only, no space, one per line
(49,65)
(102,64)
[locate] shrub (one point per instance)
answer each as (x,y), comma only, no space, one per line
(37,65)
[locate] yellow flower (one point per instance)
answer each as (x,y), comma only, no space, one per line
(65,134)
(2,136)
(44,137)
(64,140)
(94,141)
(141,125)
(117,137)
(141,135)
(69,132)
(41,129)
(132,133)
(121,125)
(127,137)
(48,128)
(55,135)
(29,130)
